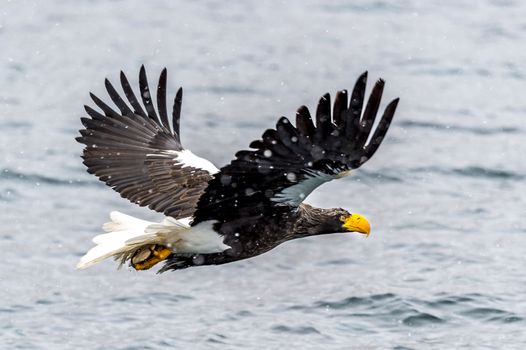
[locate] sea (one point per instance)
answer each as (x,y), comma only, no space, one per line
(445,265)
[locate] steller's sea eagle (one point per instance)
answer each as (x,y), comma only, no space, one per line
(246,208)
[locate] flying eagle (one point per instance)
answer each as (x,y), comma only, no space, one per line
(246,208)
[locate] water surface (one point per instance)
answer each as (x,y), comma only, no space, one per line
(444,267)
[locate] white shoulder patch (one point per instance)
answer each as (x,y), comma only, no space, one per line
(187,158)
(201,239)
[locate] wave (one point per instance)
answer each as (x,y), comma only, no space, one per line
(382,175)
(473,172)
(392,309)
(296,330)
(10,174)
(459,128)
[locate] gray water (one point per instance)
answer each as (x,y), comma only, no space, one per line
(444,266)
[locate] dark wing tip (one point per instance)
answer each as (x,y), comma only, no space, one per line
(142,75)
(323,117)
(283,120)
(179,94)
(257,144)
(302,110)
(340,106)
(381,129)
(146,94)
(361,82)
(176,113)
(378,90)
(391,108)
(369,115)
(363,76)
(324,104)
(304,122)
(161,99)
(163,76)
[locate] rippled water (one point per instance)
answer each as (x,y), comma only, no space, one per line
(444,267)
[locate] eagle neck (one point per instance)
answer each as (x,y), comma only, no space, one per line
(317,221)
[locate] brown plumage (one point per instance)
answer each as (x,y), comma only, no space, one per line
(239,211)
(266,233)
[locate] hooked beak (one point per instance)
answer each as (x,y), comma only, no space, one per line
(356,223)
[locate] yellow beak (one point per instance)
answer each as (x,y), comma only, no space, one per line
(357,223)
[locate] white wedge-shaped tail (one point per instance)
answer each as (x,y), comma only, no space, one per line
(127,234)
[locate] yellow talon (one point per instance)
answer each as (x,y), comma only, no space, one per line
(147,257)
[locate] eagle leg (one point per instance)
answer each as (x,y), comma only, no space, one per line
(146,257)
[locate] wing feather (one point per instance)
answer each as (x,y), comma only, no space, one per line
(324,126)
(369,115)
(138,154)
(108,111)
(289,162)
(161,99)
(381,129)
(146,95)
(130,95)
(116,98)
(304,122)
(352,119)
(340,105)
(176,113)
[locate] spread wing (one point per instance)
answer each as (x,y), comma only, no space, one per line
(289,162)
(139,154)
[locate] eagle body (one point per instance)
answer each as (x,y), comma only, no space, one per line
(248,207)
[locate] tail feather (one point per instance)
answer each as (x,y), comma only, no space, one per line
(126,234)
(100,252)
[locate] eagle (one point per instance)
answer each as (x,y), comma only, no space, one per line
(215,216)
